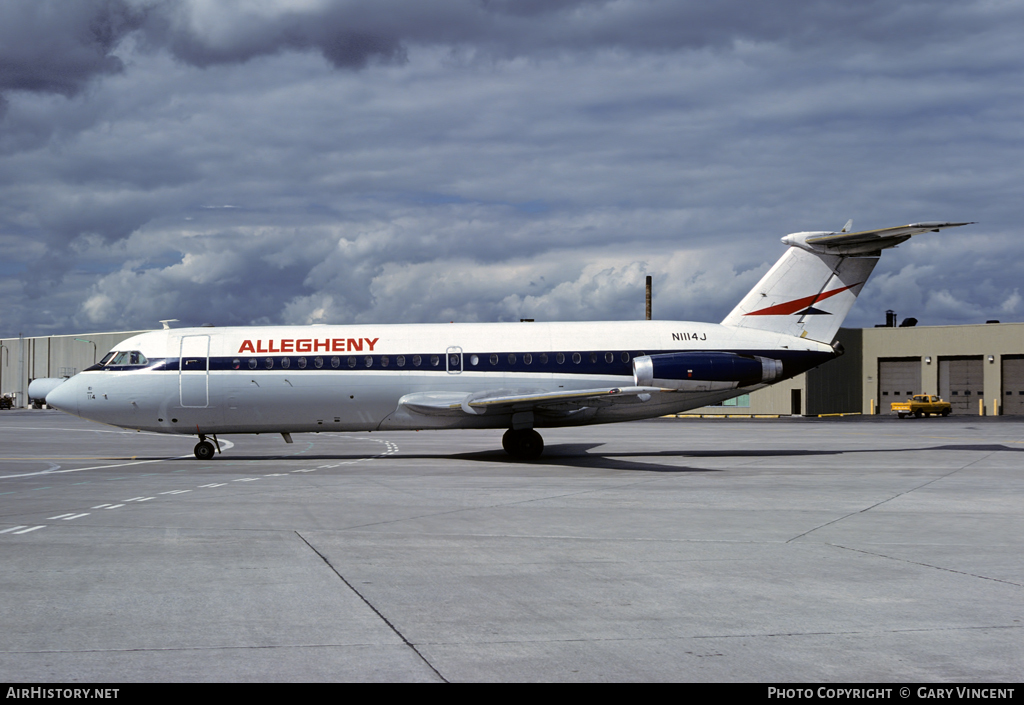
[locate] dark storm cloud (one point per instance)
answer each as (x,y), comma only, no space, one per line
(337,161)
(349,33)
(56,46)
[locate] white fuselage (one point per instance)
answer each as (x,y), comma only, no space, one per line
(289,379)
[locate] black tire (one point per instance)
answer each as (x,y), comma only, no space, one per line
(945,413)
(203,450)
(902,416)
(918,414)
(525,444)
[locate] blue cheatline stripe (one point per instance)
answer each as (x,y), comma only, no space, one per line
(590,362)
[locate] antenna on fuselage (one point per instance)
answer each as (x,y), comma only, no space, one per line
(167,323)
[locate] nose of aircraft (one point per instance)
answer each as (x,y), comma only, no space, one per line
(64,397)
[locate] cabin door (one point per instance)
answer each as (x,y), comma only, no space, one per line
(194,371)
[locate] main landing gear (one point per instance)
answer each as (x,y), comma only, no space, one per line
(204,449)
(525,444)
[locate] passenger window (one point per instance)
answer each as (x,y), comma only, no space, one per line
(560,358)
(236,363)
(400,360)
(528,358)
(511,358)
(624,357)
(609,357)
(434,360)
(286,362)
(270,363)
(335,362)
(416,360)
(252,363)
(593,358)
(318,362)
(302,363)
(383,361)
(577,358)
(494,359)
(351,361)
(474,360)
(543,358)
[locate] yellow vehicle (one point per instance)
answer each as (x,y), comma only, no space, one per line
(922,405)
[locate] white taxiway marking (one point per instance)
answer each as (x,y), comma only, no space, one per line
(23,529)
(225,445)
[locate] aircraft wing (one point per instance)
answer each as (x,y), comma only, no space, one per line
(877,239)
(505,401)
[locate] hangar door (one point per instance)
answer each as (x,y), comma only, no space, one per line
(898,379)
(961,383)
(1013,385)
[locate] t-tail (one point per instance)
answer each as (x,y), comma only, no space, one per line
(813,286)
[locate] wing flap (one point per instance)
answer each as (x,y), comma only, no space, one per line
(505,401)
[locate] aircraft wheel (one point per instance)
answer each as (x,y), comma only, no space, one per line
(203,450)
(525,444)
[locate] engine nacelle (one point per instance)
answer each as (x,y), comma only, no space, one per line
(704,371)
(39,388)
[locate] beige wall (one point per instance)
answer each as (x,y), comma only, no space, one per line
(992,339)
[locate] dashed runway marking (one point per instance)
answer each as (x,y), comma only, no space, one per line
(24,528)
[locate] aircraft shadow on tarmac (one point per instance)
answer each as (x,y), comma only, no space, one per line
(582,455)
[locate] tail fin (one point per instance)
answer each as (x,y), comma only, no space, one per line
(813,286)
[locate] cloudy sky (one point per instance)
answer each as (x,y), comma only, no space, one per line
(336,161)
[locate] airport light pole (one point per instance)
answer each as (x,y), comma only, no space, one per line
(83,340)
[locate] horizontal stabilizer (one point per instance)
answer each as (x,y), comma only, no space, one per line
(865,241)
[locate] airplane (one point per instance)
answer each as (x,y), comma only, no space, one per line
(514,376)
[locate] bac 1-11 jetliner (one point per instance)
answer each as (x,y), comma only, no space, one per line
(514,376)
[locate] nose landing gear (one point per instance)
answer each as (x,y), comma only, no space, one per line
(525,444)
(204,449)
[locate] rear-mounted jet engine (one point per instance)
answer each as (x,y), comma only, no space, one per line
(705,371)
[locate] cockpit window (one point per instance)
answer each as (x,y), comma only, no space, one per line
(106,358)
(125,358)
